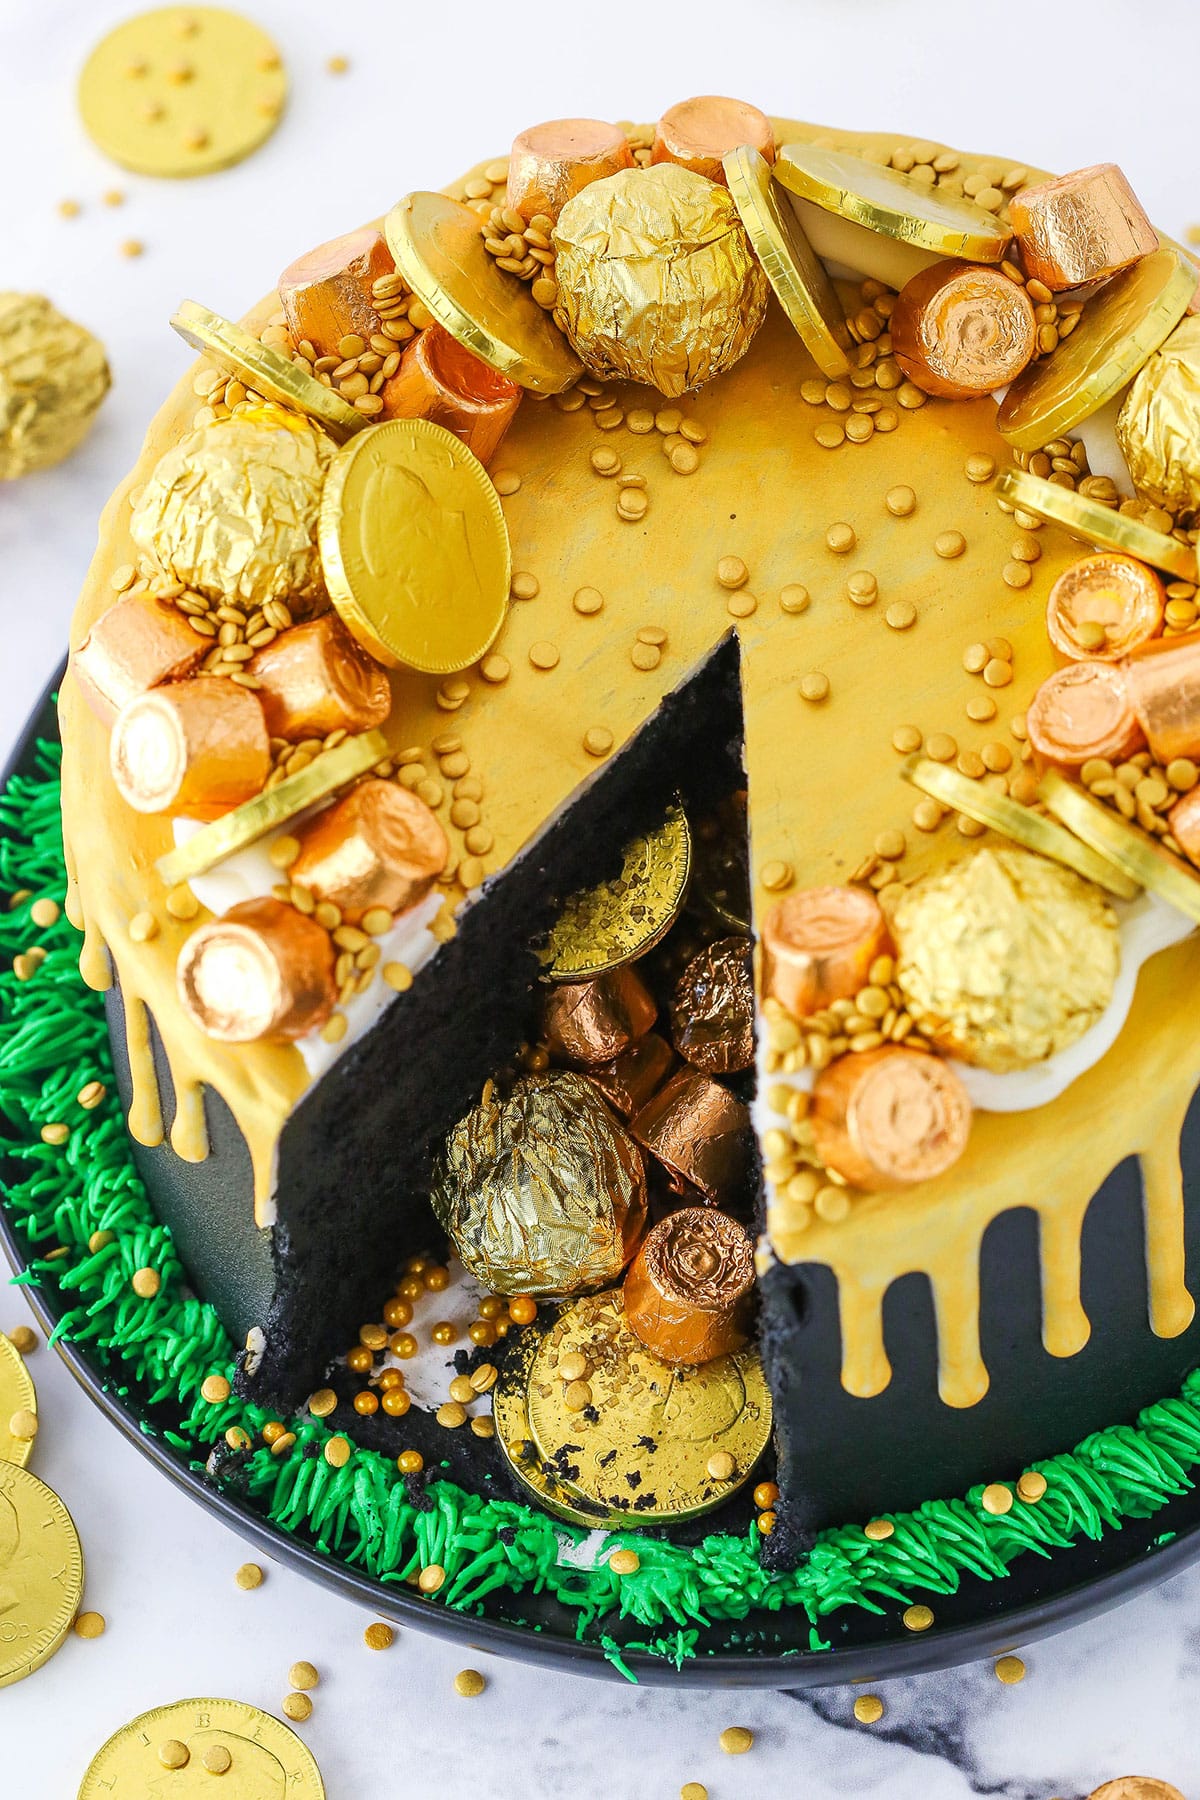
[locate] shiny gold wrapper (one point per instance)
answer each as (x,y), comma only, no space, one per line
(1005,958)
(53,376)
(1158,427)
(232,509)
(542,1193)
(657,281)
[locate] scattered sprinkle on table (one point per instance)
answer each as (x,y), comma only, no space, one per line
(337,65)
(917,1618)
(1010,1670)
(468,1683)
(23,1425)
(735,1740)
(23,1339)
(868,1709)
(90,1625)
(693,1790)
(249,1576)
(379,1636)
(132,247)
(297,1707)
(303,1675)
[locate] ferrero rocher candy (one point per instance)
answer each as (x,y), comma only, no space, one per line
(132,647)
(687,1287)
(1158,427)
(53,376)
(1104,606)
(700,1133)
(890,1117)
(593,1021)
(1080,227)
(378,846)
(315,679)
(712,1012)
(231,510)
(1004,958)
(262,970)
(962,329)
(542,1193)
(657,281)
(193,749)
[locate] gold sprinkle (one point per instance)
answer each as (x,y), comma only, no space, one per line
(90,1625)
(941,747)
(337,65)
(322,1403)
(997,672)
(283,1443)
(598,740)
(720,1465)
(645,656)
(624,1562)
(132,247)
(1031,1486)
(431,1578)
(981,708)
(142,927)
(181,903)
(68,209)
(906,740)
(980,467)
(215,1389)
(1016,574)
(868,1709)
(23,1339)
(862,589)
(145,1283)
(693,1790)
(878,1530)
(814,687)
(469,1683)
(23,1425)
(588,600)
(525,586)
(451,1415)
(44,912)
(996,1499)
(303,1675)
(741,606)
(632,505)
(379,1636)
(398,976)
(605,462)
(917,1618)
(55,1134)
(297,1707)
(927,815)
(732,572)
(173,1754)
(900,501)
(337,1452)
(735,1740)
(1010,1670)
(901,614)
(505,481)
(543,654)
(249,1576)
(793,598)
(776,876)
(829,435)
(949,544)
(335,1028)
(841,538)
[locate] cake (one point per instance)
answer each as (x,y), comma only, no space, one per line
(744,559)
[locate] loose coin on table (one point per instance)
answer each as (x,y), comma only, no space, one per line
(1020,824)
(1103,526)
(239,353)
(635,1434)
(439,250)
(176,1749)
(252,820)
(1119,328)
(618,920)
(41,1573)
(522,1453)
(18,1406)
(182,90)
(414,547)
(793,268)
(1134,853)
(893,204)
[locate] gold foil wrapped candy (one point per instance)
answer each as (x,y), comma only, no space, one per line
(53,376)
(657,281)
(1158,427)
(542,1193)
(1005,958)
(232,509)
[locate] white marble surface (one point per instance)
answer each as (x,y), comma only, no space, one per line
(430,91)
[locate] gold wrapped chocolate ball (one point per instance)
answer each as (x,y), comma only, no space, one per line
(542,1193)
(1158,427)
(53,376)
(656,278)
(1005,958)
(232,509)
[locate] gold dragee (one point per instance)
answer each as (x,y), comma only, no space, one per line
(53,376)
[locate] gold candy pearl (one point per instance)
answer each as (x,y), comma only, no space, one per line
(396,1402)
(302,1676)
(468,1683)
(765,1495)
(483,1333)
(410,1462)
(1010,1670)
(996,1499)
(735,1740)
(868,1709)
(359,1360)
(366,1403)
(397,1312)
(379,1636)
(444,1332)
(404,1345)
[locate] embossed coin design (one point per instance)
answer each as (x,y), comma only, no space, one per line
(522,1453)
(176,1749)
(41,1573)
(605,926)
(16,1395)
(414,547)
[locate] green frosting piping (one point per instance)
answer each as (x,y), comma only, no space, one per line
(157,1352)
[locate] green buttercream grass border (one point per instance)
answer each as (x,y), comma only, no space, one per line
(53,1040)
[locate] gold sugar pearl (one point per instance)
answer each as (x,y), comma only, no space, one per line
(23,1339)
(735,1740)
(469,1683)
(868,1709)
(379,1636)
(574,1366)
(90,1625)
(900,501)
(949,544)
(145,1283)
(303,1675)
(248,1577)
(794,598)
(410,1462)
(720,1465)
(917,1618)
(1010,1670)
(996,1499)
(841,538)
(23,1425)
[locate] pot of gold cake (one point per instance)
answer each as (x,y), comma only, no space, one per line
(629,773)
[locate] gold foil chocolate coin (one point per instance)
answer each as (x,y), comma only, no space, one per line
(1018,823)
(176,1749)
(522,1453)
(1099,525)
(252,820)
(890,203)
(618,920)
(796,273)
(439,250)
(1119,329)
(182,90)
(1135,1787)
(41,1573)
(1135,854)
(640,1439)
(239,353)
(17,1396)
(414,547)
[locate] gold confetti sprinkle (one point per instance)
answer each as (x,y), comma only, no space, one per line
(249,1576)
(90,1625)
(735,1740)
(468,1683)
(868,1709)
(1010,1670)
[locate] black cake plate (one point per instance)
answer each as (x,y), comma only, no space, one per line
(766,1650)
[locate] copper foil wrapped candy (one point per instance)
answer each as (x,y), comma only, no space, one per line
(231,510)
(890,1117)
(657,281)
(542,1193)
(1158,427)
(687,1288)
(1005,958)
(712,1012)
(53,376)
(594,1021)
(700,1133)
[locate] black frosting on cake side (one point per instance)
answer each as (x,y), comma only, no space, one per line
(842,1458)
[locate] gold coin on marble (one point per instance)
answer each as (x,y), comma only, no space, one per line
(604,926)
(182,90)
(164,1751)
(1136,1787)
(41,1573)
(17,1396)
(642,1444)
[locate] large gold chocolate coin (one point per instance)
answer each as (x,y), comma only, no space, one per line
(890,203)
(41,1573)
(17,1396)
(1135,1787)
(1020,824)
(618,920)
(1096,524)
(414,547)
(1134,853)
(252,820)
(793,268)
(182,90)
(522,1453)
(239,353)
(635,1435)
(176,1750)
(439,250)
(1119,329)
